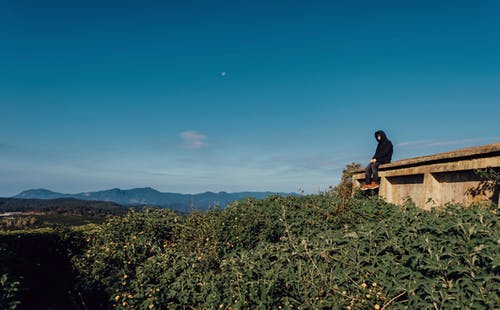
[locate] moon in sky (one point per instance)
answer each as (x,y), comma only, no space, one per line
(223,73)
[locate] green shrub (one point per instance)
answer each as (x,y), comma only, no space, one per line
(318,251)
(344,188)
(40,274)
(8,292)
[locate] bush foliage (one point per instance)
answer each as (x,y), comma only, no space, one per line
(8,292)
(317,251)
(344,188)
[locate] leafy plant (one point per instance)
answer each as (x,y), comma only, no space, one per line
(344,188)
(317,251)
(8,293)
(489,185)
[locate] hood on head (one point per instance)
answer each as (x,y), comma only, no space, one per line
(382,135)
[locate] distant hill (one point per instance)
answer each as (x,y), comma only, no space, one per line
(62,206)
(149,196)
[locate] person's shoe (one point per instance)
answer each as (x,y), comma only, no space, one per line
(364,187)
(373,185)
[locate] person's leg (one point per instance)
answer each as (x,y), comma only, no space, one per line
(368,174)
(375,172)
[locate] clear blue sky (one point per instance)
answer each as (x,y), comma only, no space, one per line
(192,96)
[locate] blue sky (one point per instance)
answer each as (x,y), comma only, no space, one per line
(194,96)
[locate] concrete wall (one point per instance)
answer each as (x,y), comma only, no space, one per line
(438,179)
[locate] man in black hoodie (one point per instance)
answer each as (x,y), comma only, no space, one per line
(383,155)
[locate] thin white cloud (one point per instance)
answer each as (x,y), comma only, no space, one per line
(193,140)
(437,143)
(413,143)
(457,142)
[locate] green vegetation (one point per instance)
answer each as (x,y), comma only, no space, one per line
(17,222)
(317,251)
(40,220)
(306,252)
(62,206)
(38,267)
(490,175)
(23,214)
(8,292)
(344,188)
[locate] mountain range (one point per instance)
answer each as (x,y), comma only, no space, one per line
(151,197)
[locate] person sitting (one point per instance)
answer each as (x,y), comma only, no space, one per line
(383,155)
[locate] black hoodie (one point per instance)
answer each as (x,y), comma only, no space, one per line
(383,154)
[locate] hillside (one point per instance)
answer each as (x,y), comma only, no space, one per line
(62,206)
(19,214)
(149,196)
